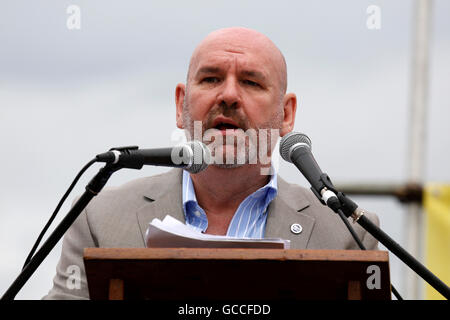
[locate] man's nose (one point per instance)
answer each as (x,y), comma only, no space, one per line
(230,94)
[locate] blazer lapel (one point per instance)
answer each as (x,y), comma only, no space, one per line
(284,211)
(163,197)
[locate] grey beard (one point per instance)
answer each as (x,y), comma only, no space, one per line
(251,156)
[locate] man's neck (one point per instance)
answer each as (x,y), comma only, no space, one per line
(222,190)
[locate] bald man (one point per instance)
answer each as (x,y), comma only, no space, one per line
(236,84)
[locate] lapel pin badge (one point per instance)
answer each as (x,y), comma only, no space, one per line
(296,228)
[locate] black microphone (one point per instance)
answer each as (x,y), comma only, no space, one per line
(295,147)
(192,156)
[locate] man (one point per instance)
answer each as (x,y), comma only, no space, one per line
(236,82)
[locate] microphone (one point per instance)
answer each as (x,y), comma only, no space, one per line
(192,156)
(295,147)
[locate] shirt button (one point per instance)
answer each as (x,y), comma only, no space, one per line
(197,213)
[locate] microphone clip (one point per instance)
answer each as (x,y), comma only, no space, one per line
(341,201)
(326,184)
(335,200)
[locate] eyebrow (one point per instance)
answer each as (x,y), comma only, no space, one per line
(208,70)
(254,74)
(249,73)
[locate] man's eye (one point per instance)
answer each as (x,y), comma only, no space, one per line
(251,83)
(211,80)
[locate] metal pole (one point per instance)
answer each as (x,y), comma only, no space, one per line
(417,138)
(403,192)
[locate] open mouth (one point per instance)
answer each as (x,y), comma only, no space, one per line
(225,126)
(223,123)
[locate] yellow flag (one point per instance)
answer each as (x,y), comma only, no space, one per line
(437,254)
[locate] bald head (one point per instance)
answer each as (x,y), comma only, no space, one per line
(237,79)
(243,41)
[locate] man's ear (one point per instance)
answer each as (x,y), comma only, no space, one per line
(289,107)
(180,92)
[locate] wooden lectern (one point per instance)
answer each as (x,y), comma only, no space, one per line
(184,274)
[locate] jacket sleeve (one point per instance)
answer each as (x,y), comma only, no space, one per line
(70,279)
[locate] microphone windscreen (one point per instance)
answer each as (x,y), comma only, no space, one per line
(291,139)
(201,156)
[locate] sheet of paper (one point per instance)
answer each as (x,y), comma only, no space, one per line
(172,233)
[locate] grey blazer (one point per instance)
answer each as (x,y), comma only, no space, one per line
(119,216)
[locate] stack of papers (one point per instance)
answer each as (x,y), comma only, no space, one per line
(172,233)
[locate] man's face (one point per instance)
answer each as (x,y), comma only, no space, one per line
(233,84)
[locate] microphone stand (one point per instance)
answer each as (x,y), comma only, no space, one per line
(350,210)
(92,189)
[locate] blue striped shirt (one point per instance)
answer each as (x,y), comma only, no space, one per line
(249,220)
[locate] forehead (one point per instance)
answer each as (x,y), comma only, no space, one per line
(246,53)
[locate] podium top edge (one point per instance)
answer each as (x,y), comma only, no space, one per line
(234,254)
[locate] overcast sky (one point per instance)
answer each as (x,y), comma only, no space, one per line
(66,95)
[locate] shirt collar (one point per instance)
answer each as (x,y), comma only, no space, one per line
(270,190)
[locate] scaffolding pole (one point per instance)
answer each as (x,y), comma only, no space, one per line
(414,286)
(406,193)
